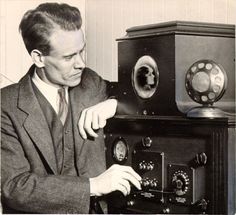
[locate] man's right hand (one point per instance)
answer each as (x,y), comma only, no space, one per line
(117,177)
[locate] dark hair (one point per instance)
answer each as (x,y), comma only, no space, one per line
(37,25)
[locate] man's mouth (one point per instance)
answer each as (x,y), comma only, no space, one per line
(77,74)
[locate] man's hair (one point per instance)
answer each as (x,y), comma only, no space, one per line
(37,25)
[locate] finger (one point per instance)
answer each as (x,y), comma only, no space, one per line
(122,189)
(125,172)
(101,121)
(131,179)
(126,184)
(88,124)
(95,120)
(131,171)
(81,125)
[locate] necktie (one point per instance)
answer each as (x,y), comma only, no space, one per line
(63,106)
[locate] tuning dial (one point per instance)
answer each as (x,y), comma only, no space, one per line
(180,182)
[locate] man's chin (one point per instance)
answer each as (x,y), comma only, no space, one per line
(75,83)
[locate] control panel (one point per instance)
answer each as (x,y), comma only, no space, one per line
(150,165)
(180,171)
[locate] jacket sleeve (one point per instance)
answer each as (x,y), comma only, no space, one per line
(98,87)
(102,89)
(26,190)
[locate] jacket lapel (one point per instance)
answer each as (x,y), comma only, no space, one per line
(77,99)
(35,123)
(89,154)
(80,98)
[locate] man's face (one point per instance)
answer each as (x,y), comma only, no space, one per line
(64,64)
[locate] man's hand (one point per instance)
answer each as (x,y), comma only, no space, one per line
(95,117)
(117,177)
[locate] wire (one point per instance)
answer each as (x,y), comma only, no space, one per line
(7,78)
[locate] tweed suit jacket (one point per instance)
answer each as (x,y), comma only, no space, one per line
(29,178)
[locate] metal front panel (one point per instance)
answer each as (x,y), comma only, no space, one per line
(177,163)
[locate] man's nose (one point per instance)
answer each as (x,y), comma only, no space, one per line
(79,62)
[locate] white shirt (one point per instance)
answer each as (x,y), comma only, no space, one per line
(50,92)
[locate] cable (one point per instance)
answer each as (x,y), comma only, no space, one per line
(7,78)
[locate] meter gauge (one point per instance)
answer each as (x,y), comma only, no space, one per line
(120,150)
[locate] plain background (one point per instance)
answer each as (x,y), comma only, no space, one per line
(103,22)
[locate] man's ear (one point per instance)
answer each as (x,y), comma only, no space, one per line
(37,58)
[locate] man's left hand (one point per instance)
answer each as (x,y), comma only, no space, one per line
(95,117)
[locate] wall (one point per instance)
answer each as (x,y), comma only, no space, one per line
(107,20)
(14,59)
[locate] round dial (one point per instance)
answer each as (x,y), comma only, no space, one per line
(180,182)
(120,150)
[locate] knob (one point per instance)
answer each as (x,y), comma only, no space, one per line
(153,183)
(200,159)
(150,166)
(180,183)
(130,203)
(201,205)
(146,166)
(146,182)
(166,210)
(143,165)
(147,142)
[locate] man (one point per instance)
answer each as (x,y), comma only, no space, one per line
(53,154)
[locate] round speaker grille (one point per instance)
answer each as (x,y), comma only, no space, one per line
(205,81)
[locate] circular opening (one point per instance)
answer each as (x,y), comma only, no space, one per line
(145,77)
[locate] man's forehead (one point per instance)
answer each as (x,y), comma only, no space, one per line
(66,41)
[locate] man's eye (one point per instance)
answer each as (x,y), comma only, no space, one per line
(69,57)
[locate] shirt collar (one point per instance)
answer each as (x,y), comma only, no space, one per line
(50,92)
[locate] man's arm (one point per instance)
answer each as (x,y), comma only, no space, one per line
(117,177)
(95,117)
